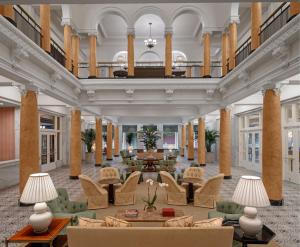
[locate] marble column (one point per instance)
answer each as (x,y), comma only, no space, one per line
(255,24)
(109,142)
(92,56)
(45,27)
(130,53)
(98,142)
(201,142)
(68,46)
(183,140)
(75,144)
(225,53)
(225,143)
(29,137)
(206,47)
(232,44)
(116,141)
(75,53)
(272,147)
(294,8)
(8,12)
(168,54)
(190,141)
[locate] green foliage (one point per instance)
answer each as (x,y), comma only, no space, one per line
(88,137)
(149,136)
(210,138)
(129,138)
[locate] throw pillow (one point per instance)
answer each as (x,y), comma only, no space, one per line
(209,223)
(115,222)
(183,221)
(88,222)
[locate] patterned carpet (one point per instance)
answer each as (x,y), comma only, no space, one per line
(284,221)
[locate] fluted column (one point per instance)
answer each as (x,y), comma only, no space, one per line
(168,54)
(183,140)
(130,53)
(109,142)
(272,147)
(75,53)
(225,53)
(8,12)
(206,47)
(116,141)
(255,24)
(225,143)
(294,8)
(232,44)
(201,142)
(190,141)
(68,46)
(92,56)
(75,144)
(29,137)
(45,26)
(98,141)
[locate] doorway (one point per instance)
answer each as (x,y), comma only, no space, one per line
(48,151)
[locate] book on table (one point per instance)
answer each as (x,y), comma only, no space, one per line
(131,213)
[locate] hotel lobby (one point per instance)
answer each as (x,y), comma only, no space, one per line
(153,123)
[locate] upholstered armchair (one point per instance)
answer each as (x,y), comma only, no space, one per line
(62,207)
(176,194)
(125,195)
(228,210)
(193,173)
(97,197)
(109,173)
(207,195)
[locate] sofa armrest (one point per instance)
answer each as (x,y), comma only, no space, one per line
(74,207)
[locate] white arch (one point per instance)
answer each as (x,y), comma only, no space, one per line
(149,10)
(120,53)
(178,53)
(149,52)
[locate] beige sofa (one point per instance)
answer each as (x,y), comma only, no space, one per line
(149,237)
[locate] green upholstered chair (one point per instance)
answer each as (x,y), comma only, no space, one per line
(228,210)
(194,164)
(135,165)
(62,207)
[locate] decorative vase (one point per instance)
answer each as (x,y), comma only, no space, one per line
(249,223)
(41,218)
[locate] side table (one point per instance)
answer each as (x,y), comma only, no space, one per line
(49,238)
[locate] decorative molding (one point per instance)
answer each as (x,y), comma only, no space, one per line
(244,76)
(17,54)
(281,53)
(210,92)
(131,31)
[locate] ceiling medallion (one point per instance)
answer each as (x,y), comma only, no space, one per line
(150,43)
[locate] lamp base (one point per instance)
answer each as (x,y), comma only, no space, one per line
(41,218)
(249,223)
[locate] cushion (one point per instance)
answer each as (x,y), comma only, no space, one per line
(87,222)
(115,222)
(209,223)
(183,221)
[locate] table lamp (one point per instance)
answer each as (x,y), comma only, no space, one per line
(39,189)
(250,192)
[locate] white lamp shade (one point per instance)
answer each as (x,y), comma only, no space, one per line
(39,188)
(250,191)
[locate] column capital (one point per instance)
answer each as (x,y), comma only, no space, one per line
(272,86)
(234,19)
(66,22)
(131,31)
(93,32)
(201,117)
(168,30)
(225,107)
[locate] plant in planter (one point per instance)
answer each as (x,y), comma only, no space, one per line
(88,137)
(150,201)
(149,137)
(129,138)
(210,139)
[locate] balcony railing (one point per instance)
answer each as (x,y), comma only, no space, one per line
(57,53)
(243,51)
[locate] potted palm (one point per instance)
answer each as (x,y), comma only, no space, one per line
(149,137)
(88,137)
(210,139)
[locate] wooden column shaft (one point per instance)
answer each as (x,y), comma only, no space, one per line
(294,8)
(98,141)
(190,141)
(255,24)
(168,55)
(116,141)
(183,139)
(206,46)
(75,53)
(29,138)
(272,147)
(130,55)
(225,53)
(232,44)
(225,143)
(110,72)
(92,56)
(201,142)
(45,26)
(68,46)
(189,72)
(75,144)
(7,10)
(109,142)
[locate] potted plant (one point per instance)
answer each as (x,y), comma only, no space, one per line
(210,139)
(150,201)
(149,137)
(129,138)
(88,137)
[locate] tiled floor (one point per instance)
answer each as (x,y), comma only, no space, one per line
(284,221)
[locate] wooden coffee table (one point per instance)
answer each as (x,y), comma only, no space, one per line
(143,216)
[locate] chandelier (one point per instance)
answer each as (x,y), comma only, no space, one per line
(150,43)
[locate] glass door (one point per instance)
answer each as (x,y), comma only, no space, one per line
(48,150)
(44,149)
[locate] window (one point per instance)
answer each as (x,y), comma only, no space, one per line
(289,113)
(256,137)
(152,127)
(129,136)
(170,136)
(253,121)
(250,147)
(244,146)
(47,121)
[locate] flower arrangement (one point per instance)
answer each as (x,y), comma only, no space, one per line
(150,201)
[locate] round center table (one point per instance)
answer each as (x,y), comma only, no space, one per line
(110,182)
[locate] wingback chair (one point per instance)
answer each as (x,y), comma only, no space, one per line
(125,195)
(195,173)
(207,195)
(62,207)
(176,194)
(109,173)
(97,196)
(228,210)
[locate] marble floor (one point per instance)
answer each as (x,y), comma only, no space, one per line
(284,220)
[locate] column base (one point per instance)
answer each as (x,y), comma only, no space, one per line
(98,164)
(182,155)
(130,76)
(190,159)
(228,177)
(202,164)
(108,159)
(168,76)
(11,21)
(74,177)
(92,77)
(207,76)
(277,202)
(292,17)
(116,155)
